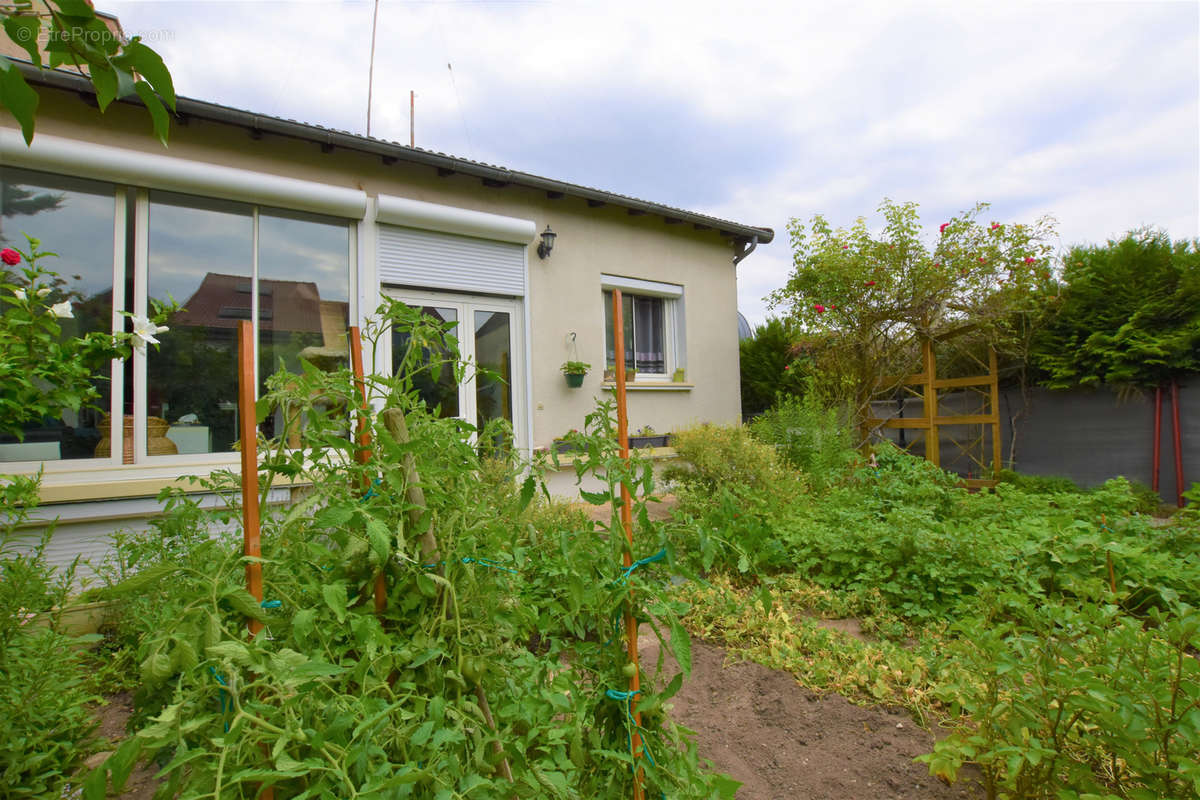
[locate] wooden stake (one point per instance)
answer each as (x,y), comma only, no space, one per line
(631,631)
(248,430)
(362,452)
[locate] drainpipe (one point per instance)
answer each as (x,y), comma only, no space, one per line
(752,243)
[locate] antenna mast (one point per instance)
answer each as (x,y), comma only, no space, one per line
(371,71)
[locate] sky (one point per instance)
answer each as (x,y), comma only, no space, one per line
(752,112)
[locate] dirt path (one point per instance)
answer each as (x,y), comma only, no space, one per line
(786,743)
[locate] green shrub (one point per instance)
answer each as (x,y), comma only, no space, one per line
(1077,700)
(809,437)
(45,726)
(1040,484)
(714,456)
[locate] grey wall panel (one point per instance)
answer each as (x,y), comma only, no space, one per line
(1087,436)
(433,260)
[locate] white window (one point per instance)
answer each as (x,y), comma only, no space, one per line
(175,407)
(652,314)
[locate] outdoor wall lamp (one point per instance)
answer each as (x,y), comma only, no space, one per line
(547,243)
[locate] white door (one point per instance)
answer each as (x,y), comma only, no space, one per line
(489,333)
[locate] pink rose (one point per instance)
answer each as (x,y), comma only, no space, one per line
(10,256)
(1029,259)
(820,309)
(943,226)
(845,247)
(787,367)
(995,225)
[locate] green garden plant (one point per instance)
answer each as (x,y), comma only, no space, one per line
(485,674)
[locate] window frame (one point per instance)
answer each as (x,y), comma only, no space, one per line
(116,366)
(141,278)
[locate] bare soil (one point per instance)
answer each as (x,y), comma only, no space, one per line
(112,717)
(784,742)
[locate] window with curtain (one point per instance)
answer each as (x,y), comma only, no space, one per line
(645,332)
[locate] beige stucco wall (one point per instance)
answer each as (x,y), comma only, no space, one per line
(564,290)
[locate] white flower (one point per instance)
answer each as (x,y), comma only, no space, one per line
(144,330)
(42,292)
(62,310)
(20,294)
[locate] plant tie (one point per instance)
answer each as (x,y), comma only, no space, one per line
(627,698)
(483,562)
(222,695)
(627,571)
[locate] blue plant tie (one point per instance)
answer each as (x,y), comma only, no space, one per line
(627,698)
(627,571)
(371,490)
(483,562)
(222,695)
(271,603)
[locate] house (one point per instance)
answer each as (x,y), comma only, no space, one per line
(303,229)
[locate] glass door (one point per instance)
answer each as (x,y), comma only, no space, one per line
(487,330)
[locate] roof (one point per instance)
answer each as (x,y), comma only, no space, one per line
(391,152)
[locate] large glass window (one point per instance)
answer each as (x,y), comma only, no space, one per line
(201,253)
(74,218)
(645,332)
(204,255)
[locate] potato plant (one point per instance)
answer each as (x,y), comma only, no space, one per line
(484,674)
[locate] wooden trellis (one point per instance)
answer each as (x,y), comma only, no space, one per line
(931,422)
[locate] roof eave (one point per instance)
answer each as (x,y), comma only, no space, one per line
(391,152)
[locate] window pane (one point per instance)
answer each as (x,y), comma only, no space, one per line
(443,391)
(201,253)
(648,334)
(627,324)
(73,218)
(493,351)
(303,296)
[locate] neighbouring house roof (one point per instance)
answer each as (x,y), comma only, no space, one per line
(391,152)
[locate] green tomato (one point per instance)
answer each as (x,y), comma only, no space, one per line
(629,669)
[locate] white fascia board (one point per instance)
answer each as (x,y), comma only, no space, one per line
(639,286)
(449,219)
(156,171)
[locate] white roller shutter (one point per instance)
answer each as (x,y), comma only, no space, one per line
(435,260)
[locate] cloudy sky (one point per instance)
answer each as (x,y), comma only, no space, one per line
(1087,111)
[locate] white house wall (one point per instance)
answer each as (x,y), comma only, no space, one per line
(563,293)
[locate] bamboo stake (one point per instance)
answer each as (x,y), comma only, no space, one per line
(362,452)
(251,523)
(631,631)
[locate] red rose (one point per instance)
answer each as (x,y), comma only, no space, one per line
(10,257)
(845,247)
(1029,259)
(943,226)
(787,367)
(869,283)
(982,259)
(820,309)
(995,225)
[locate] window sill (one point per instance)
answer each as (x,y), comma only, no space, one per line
(650,386)
(567,460)
(83,490)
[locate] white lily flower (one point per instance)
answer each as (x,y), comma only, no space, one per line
(20,294)
(62,310)
(143,332)
(42,292)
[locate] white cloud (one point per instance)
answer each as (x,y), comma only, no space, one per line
(1087,111)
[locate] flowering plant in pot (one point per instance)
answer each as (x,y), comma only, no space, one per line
(574,371)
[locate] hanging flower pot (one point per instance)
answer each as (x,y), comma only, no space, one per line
(574,371)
